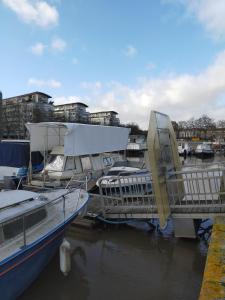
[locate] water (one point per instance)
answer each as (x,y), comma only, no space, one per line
(125,263)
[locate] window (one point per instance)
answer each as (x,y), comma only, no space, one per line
(15,227)
(86,163)
(70,163)
(107,161)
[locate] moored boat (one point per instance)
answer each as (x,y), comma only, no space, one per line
(31,230)
(125,180)
(204,150)
(74,150)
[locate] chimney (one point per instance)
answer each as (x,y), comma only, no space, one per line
(1,125)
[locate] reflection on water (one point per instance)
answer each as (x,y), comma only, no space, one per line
(124,263)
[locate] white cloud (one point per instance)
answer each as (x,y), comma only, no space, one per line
(34,12)
(180,96)
(130,51)
(38,48)
(209,13)
(50,83)
(58,44)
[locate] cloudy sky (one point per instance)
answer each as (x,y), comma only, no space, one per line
(123,55)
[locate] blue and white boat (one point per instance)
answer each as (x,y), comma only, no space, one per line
(15,158)
(32,227)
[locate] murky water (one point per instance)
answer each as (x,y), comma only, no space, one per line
(125,263)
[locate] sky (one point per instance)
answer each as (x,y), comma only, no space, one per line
(128,56)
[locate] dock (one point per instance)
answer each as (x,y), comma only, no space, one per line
(213,285)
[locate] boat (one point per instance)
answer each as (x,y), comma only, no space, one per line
(125,180)
(184,149)
(74,150)
(15,157)
(204,150)
(32,228)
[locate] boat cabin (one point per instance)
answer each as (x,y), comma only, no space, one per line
(76,149)
(13,205)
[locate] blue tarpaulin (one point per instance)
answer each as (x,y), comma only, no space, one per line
(15,154)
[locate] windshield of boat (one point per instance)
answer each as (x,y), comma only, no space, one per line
(55,162)
(115,172)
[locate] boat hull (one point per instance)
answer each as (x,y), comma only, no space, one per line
(204,154)
(17,273)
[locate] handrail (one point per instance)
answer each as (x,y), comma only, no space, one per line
(23,215)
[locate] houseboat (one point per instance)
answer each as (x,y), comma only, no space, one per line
(31,230)
(71,151)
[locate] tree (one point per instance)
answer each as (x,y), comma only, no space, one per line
(205,122)
(220,124)
(135,129)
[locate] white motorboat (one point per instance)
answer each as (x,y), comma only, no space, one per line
(125,180)
(204,150)
(184,148)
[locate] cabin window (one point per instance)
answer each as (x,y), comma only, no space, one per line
(107,161)
(70,163)
(86,163)
(55,163)
(15,227)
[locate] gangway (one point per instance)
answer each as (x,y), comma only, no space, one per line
(184,194)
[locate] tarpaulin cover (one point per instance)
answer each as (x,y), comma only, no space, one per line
(77,139)
(13,154)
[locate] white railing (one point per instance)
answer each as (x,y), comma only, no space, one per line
(197,188)
(26,227)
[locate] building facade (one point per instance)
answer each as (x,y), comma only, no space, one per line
(71,112)
(18,110)
(104,118)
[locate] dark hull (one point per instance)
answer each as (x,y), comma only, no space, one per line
(204,154)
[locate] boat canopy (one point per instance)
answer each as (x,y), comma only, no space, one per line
(77,139)
(17,154)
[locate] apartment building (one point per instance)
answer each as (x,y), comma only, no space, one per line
(71,112)
(18,110)
(104,118)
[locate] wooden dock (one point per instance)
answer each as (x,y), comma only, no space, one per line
(213,285)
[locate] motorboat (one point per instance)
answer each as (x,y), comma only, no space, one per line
(74,150)
(204,150)
(15,157)
(32,228)
(184,149)
(125,180)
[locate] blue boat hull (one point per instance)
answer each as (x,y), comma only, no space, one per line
(19,272)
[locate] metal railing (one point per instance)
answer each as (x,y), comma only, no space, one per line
(128,192)
(28,226)
(197,189)
(192,190)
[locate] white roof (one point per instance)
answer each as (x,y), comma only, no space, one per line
(77,139)
(8,198)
